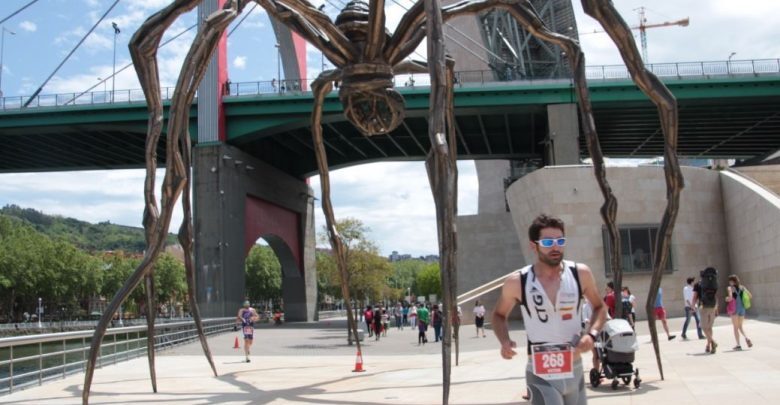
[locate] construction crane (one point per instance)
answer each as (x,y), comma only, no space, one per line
(643,26)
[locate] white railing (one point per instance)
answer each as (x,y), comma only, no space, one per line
(679,70)
(33,359)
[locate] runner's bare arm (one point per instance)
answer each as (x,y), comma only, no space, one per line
(591,293)
(510,293)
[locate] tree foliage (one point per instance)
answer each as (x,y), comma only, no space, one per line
(100,237)
(36,265)
(429,280)
(263,274)
(368,272)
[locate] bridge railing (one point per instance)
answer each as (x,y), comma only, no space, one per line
(678,70)
(33,359)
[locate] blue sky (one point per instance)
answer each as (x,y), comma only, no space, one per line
(399,208)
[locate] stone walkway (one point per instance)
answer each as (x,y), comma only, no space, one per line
(312,363)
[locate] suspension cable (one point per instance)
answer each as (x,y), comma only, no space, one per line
(242,20)
(69,55)
(18,11)
(169,40)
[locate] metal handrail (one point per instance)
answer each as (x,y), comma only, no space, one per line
(181,332)
(676,70)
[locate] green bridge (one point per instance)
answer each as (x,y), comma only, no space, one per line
(727,116)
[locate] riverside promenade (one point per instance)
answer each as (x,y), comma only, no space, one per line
(312,364)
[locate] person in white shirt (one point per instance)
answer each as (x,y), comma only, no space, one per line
(479,317)
(690,309)
(550,293)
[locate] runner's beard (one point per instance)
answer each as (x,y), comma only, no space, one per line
(551,260)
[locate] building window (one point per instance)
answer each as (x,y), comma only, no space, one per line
(637,243)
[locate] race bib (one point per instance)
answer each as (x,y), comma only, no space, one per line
(248,330)
(553,362)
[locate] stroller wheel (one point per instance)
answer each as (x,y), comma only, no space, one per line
(626,380)
(595,377)
(615,384)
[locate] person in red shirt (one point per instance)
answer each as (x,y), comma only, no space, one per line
(609,299)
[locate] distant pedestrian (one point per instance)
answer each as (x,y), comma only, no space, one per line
(627,305)
(479,317)
(706,293)
(368,316)
(609,299)
(422,324)
(735,307)
(437,322)
(377,318)
(397,316)
(413,316)
(632,301)
(405,313)
(690,310)
(385,321)
(660,312)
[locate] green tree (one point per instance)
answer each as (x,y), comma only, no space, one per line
(404,276)
(429,280)
(263,274)
(170,283)
(368,272)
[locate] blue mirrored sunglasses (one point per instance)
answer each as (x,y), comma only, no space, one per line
(548,243)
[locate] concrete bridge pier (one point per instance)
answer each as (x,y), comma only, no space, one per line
(238,199)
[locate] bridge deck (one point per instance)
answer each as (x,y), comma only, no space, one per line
(298,364)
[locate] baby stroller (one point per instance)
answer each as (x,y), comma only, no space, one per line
(616,347)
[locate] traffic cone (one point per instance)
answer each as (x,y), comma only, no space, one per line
(235,345)
(358,363)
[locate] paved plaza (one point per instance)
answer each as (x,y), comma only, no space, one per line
(312,363)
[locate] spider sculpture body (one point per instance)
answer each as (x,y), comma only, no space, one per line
(366,58)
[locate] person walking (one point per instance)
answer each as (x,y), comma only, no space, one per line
(609,299)
(385,321)
(377,318)
(368,316)
(437,322)
(422,324)
(735,307)
(413,316)
(660,313)
(246,317)
(397,311)
(706,293)
(405,313)
(479,317)
(627,305)
(549,292)
(690,310)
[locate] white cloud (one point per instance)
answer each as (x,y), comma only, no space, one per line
(28,26)
(240,62)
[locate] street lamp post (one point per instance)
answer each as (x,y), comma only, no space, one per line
(40,312)
(2,51)
(279,67)
(105,90)
(728,63)
(113,74)
(120,316)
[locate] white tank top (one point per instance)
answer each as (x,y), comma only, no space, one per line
(547,321)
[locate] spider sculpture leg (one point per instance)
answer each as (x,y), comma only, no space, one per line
(442,174)
(320,88)
(176,176)
(659,94)
(151,312)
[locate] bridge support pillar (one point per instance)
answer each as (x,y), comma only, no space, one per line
(238,199)
(563,147)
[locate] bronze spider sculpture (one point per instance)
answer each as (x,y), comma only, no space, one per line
(366,58)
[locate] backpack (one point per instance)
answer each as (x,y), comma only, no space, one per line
(745,296)
(709,287)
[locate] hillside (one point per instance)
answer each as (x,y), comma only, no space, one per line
(103,236)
